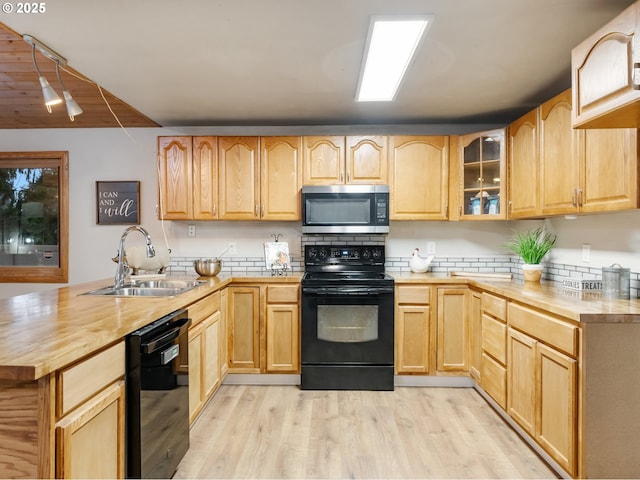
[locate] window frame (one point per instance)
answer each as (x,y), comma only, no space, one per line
(40,274)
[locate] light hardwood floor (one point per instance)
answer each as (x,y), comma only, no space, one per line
(412,432)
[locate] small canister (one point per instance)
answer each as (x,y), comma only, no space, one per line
(616,281)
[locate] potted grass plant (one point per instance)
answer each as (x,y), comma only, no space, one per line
(532,246)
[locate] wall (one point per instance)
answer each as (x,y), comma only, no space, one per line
(111,154)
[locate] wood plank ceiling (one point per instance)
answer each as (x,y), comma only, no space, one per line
(21,102)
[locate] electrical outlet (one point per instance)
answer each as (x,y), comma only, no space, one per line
(431,248)
(232,248)
(191,231)
(586,252)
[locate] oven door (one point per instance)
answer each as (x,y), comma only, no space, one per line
(347,326)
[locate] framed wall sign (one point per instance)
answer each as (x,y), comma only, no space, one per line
(118,203)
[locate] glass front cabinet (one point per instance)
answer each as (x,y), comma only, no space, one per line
(483,174)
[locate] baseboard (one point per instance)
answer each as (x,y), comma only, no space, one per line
(432,381)
(261,379)
(398,381)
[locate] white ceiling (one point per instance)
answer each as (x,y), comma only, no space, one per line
(296,62)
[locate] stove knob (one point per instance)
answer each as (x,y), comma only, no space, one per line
(323,253)
(312,253)
(377,253)
(366,253)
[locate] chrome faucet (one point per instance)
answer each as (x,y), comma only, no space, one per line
(122,270)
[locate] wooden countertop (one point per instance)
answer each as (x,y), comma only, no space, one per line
(44,331)
(548,296)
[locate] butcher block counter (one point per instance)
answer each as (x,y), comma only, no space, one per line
(548,296)
(44,331)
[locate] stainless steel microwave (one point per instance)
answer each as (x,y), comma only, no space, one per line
(345,209)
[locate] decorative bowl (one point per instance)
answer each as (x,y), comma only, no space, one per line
(208,267)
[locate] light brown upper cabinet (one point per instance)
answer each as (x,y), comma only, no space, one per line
(482,170)
(230,178)
(280,178)
(335,160)
(523,166)
(605,77)
(419,177)
(559,163)
(175,185)
(239,167)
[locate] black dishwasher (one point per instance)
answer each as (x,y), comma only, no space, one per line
(158,397)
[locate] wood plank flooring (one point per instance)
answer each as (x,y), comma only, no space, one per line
(412,432)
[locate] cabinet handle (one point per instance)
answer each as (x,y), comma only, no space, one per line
(262,211)
(215,210)
(573,197)
(636,76)
(256,210)
(460,210)
(579,197)
(341,177)
(348,177)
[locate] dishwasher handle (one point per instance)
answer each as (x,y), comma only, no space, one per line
(166,337)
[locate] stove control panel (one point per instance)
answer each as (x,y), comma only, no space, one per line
(348,254)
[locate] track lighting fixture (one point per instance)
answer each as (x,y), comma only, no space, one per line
(73,108)
(50,96)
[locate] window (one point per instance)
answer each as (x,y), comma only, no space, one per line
(34,217)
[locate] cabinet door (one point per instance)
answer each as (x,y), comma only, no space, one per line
(559,161)
(239,171)
(175,178)
(557,409)
(280,178)
(603,74)
(523,166)
(244,329)
(283,351)
(211,355)
(205,178)
(483,168)
(419,177)
(196,387)
(91,439)
(610,170)
(521,381)
(323,160)
(412,344)
(224,328)
(452,353)
(366,159)
(475,335)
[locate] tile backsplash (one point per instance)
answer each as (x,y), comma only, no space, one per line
(484,264)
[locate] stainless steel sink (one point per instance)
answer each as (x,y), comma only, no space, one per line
(149,288)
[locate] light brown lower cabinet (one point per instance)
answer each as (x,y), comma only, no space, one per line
(90,431)
(413,329)
(282,329)
(264,324)
(475,335)
(204,362)
(90,441)
(542,396)
(452,353)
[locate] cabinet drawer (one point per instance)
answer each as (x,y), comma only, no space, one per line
(494,338)
(495,306)
(494,380)
(83,380)
(414,294)
(283,293)
(204,308)
(548,329)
